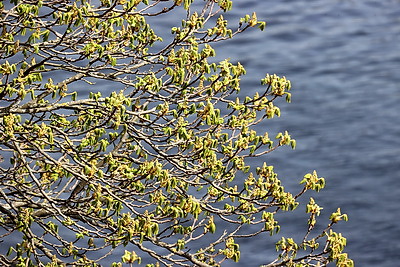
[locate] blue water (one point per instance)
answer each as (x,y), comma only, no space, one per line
(343,58)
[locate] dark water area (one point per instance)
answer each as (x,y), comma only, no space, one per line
(343,58)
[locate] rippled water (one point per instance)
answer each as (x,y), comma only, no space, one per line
(343,58)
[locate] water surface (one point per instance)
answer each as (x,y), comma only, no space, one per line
(343,60)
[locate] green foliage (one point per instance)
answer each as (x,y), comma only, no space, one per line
(116,139)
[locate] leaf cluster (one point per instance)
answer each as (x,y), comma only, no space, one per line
(115,138)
